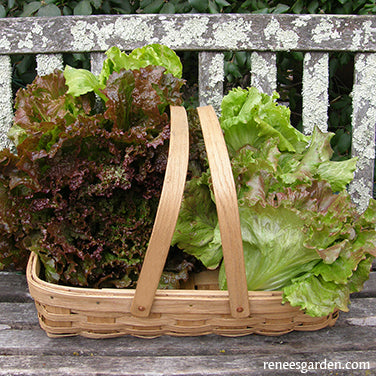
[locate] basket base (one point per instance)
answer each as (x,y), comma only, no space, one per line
(200,310)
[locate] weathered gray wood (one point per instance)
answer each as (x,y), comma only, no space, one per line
(211,73)
(13,288)
(351,337)
(6,100)
(264,71)
(360,308)
(252,364)
(315,91)
(96,60)
(189,31)
(23,316)
(16,315)
(363,132)
(47,63)
(26,350)
(31,352)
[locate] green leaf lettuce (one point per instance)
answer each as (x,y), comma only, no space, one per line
(301,232)
(82,81)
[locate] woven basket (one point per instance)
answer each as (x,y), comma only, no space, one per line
(197,308)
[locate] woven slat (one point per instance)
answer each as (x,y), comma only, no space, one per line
(268,316)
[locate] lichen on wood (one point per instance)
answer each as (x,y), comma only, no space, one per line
(211,73)
(363,128)
(6,110)
(264,71)
(315,91)
(47,63)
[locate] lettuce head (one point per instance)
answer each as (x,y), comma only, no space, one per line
(82,81)
(301,232)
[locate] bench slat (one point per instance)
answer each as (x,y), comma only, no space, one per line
(210,77)
(47,63)
(264,71)
(200,32)
(221,364)
(315,91)
(6,100)
(96,61)
(363,127)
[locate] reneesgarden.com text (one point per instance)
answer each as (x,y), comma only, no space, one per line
(306,366)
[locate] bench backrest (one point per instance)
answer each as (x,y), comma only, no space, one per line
(211,35)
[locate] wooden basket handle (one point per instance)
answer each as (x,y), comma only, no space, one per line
(227,210)
(169,207)
(167,214)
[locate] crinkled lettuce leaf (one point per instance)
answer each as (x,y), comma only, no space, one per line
(318,296)
(44,104)
(197,231)
(301,232)
(339,173)
(314,163)
(82,81)
(274,247)
(83,188)
(152,54)
(249,117)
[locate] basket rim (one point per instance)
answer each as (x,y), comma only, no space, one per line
(32,272)
(65,311)
(172,301)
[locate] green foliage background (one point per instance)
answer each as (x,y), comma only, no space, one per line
(237,65)
(25,8)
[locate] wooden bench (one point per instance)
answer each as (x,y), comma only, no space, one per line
(26,350)
(24,347)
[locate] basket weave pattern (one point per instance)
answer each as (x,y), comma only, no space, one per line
(199,307)
(106,313)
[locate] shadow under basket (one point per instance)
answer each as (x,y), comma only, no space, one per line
(197,308)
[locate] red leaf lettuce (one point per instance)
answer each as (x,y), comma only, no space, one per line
(83,186)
